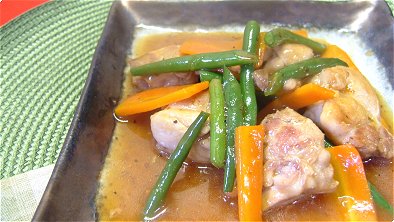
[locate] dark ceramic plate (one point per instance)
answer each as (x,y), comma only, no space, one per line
(72,187)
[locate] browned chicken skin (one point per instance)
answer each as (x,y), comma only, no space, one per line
(353,117)
(295,160)
(345,121)
(351,82)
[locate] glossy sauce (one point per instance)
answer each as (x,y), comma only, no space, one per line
(133,165)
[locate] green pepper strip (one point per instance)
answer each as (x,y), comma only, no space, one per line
(217,124)
(208,76)
(234,105)
(250,44)
(174,163)
(376,196)
(278,36)
(299,70)
(196,62)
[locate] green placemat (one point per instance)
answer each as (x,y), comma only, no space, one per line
(45,57)
(390,3)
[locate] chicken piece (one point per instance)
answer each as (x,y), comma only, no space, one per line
(287,54)
(169,125)
(354,116)
(295,160)
(199,102)
(283,55)
(164,79)
(295,163)
(345,121)
(352,82)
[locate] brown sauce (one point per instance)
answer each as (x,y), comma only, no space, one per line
(133,165)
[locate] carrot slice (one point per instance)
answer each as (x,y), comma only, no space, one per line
(352,192)
(333,51)
(249,171)
(191,47)
(301,97)
(302,32)
(155,98)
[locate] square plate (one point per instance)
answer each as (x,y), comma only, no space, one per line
(71,190)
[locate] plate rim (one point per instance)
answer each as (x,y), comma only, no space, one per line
(74,129)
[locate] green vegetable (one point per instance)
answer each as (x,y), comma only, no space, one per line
(327,144)
(250,44)
(234,105)
(376,196)
(196,62)
(298,71)
(279,36)
(379,199)
(174,163)
(208,76)
(217,123)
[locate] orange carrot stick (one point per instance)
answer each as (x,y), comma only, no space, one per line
(249,171)
(191,47)
(301,97)
(333,51)
(353,191)
(155,98)
(302,32)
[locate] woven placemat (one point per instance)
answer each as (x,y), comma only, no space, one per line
(45,57)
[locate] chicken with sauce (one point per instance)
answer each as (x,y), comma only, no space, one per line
(169,125)
(295,161)
(282,56)
(296,164)
(353,117)
(343,124)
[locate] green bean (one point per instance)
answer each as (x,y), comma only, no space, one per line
(327,143)
(376,196)
(234,105)
(217,123)
(278,36)
(174,163)
(208,76)
(299,70)
(379,199)
(196,62)
(250,44)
